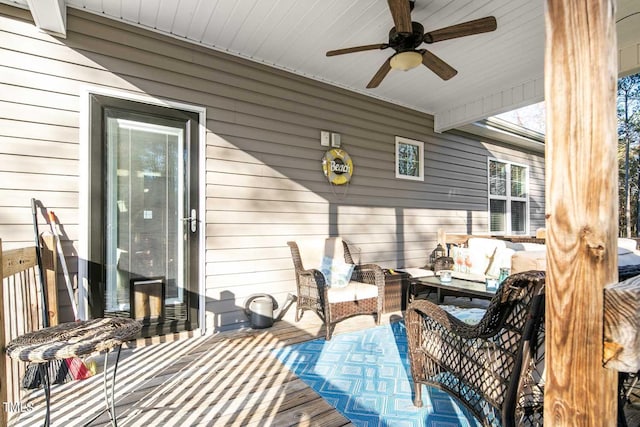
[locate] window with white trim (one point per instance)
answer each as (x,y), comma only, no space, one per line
(508,198)
(409,159)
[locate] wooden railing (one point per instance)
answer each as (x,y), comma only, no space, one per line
(446,239)
(21,311)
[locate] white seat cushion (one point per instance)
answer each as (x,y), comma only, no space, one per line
(501,259)
(478,256)
(485,245)
(629,244)
(353,291)
(528,260)
(313,250)
(537,260)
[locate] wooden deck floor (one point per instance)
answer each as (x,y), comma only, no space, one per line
(229,379)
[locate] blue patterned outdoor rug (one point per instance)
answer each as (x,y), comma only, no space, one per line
(366,376)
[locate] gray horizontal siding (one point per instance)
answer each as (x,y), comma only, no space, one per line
(263,181)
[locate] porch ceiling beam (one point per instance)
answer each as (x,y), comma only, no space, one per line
(490,104)
(50,16)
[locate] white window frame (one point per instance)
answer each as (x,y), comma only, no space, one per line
(420,145)
(508,198)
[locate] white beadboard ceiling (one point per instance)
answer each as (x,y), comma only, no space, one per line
(497,71)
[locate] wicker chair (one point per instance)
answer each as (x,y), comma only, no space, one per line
(495,367)
(363,295)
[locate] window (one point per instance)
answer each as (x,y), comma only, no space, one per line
(409,159)
(508,198)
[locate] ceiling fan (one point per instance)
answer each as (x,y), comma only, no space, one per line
(406,36)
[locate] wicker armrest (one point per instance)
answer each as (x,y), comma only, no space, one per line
(368,267)
(449,322)
(312,283)
(312,272)
(369,273)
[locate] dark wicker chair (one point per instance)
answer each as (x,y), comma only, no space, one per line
(495,367)
(315,295)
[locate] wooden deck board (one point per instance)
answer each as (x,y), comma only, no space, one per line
(230,378)
(227,379)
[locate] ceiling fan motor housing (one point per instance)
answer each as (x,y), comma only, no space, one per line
(402,42)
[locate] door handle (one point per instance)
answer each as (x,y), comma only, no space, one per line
(193,220)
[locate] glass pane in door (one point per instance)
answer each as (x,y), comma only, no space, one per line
(144,204)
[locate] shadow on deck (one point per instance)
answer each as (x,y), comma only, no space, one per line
(231,378)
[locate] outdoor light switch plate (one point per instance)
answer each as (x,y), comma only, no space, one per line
(325,136)
(335,140)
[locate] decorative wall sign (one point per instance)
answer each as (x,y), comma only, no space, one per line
(337,166)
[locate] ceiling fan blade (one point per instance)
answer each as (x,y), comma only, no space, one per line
(401,13)
(437,65)
(477,26)
(357,49)
(380,74)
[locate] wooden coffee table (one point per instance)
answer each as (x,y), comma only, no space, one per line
(456,287)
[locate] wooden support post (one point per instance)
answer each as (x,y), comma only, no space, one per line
(581,203)
(4,383)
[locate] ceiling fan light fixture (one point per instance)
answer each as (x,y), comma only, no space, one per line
(406,60)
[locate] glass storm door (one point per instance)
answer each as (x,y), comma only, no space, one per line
(150,225)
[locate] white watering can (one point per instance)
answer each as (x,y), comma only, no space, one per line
(262,309)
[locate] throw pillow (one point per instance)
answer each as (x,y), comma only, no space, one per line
(471,260)
(337,274)
(483,251)
(462,261)
(501,259)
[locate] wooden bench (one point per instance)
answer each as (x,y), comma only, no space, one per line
(20,295)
